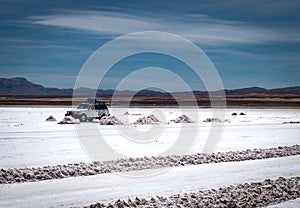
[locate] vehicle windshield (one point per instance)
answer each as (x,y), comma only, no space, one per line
(83,106)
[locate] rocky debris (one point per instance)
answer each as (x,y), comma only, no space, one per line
(182,119)
(151,119)
(256,194)
(136,114)
(51,118)
(17,125)
(110,120)
(235,114)
(292,122)
(69,120)
(126,113)
(212,120)
(122,165)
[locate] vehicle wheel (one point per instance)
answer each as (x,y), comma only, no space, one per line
(83,118)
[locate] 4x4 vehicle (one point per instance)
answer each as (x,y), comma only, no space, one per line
(89,110)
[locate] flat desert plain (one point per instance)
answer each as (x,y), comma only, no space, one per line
(258,145)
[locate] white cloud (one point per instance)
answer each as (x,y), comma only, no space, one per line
(198,28)
(102,22)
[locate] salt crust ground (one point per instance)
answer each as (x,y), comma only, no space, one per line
(288,204)
(27,140)
(109,187)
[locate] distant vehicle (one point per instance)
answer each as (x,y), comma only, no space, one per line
(89,110)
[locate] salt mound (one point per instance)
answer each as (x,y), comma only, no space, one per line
(51,118)
(69,120)
(110,120)
(212,120)
(151,119)
(182,119)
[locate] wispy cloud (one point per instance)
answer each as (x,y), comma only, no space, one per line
(99,22)
(199,28)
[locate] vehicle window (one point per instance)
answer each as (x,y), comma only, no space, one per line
(83,106)
(100,107)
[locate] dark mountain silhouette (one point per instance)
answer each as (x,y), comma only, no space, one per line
(286,90)
(249,90)
(21,87)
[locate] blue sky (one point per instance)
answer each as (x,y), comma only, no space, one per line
(251,43)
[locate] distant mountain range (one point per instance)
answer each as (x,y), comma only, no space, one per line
(21,87)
